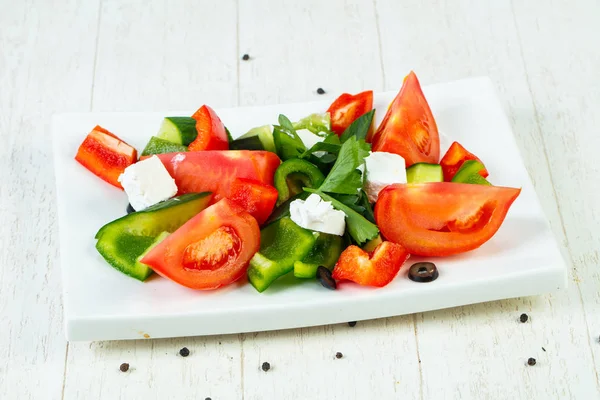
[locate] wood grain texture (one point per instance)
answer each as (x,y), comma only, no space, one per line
(161,55)
(484,349)
(562,59)
(46,61)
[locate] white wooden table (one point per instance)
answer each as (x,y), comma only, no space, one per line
(153,55)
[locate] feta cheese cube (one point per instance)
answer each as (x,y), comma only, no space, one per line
(383,169)
(147,182)
(318,215)
(308,138)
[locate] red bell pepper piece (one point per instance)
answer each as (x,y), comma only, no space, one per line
(454,159)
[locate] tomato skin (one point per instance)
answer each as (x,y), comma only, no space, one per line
(105,155)
(347,108)
(408,128)
(443,218)
(211,131)
(215,170)
(171,258)
(255,197)
(454,158)
(377,268)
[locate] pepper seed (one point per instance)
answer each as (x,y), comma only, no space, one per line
(184,352)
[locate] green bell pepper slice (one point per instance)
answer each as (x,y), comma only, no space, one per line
(325,252)
(295,174)
(281,244)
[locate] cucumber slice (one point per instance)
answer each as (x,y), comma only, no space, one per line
(122,241)
(140,270)
(159,146)
(315,123)
(179,130)
(423,172)
(469,173)
(259,138)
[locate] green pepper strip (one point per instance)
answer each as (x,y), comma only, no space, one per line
(295,174)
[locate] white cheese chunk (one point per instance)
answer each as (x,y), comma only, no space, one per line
(318,215)
(147,182)
(308,138)
(383,169)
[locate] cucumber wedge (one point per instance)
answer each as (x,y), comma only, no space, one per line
(259,138)
(159,146)
(140,270)
(469,173)
(178,130)
(122,241)
(423,173)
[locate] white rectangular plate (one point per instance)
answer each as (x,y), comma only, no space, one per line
(100,303)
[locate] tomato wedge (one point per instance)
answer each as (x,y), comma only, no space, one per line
(441,219)
(454,159)
(347,108)
(211,250)
(255,197)
(408,128)
(214,171)
(377,268)
(105,155)
(211,131)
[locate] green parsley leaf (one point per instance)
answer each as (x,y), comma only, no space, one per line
(359,128)
(359,228)
(344,177)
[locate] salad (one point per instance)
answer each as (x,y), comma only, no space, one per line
(329,197)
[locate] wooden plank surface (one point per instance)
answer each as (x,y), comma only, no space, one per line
(46,61)
(157,55)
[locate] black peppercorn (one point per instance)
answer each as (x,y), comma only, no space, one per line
(266,366)
(523,318)
(352,324)
(245,57)
(531,361)
(320,91)
(184,352)
(338,355)
(124,367)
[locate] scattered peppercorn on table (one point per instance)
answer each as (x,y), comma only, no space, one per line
(107,56)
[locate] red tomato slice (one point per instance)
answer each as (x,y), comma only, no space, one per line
(211,250)
(347,108)
(105,155)
(370,269)
(255,197)
(440,219)
(454,159)
(211,131)
(214,171)
(408,128)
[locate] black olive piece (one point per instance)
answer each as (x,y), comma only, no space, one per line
(320,91)
(523,318)
(245,57)
(124,367)
(338,355)
(352,324)
(184,352)
(324,276)
(531,361)
(266,366)
(130,209)
(423,272)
